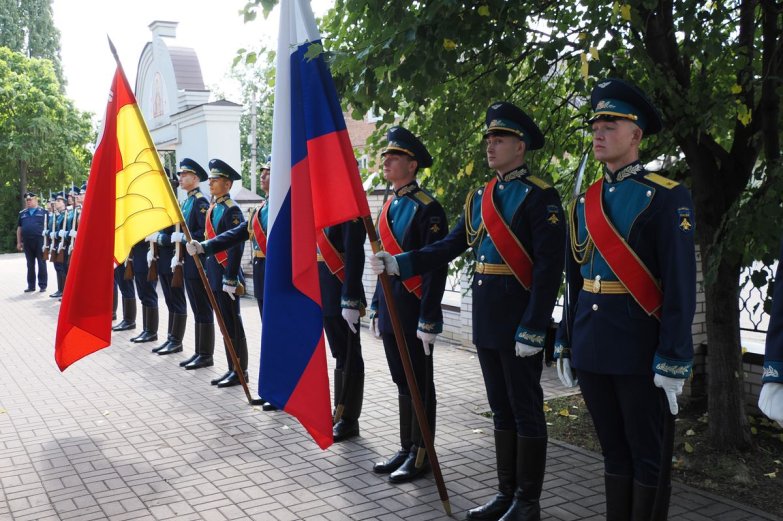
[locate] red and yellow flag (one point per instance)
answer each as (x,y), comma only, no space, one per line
(129,197)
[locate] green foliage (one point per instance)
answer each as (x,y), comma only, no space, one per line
(27,26)
(44,135)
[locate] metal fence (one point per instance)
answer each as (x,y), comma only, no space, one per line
(753,295)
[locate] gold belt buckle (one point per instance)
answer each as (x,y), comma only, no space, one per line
(596,286)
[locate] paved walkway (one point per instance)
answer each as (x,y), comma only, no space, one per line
(128,435)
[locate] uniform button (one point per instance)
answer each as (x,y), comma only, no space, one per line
(597,277)
(501,187)
(611,188)
(482,257)
(391,222)
(649,193)
(581,199)
(480,282)
(397,201)
(479,192)
(595,307)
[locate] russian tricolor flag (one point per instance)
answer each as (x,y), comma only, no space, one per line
(314,183)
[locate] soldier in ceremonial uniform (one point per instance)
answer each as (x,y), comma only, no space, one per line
(223,268)
(30,239)
(771,397)
(195,209)
(515,226)
(169,251)
(58,235)
(340,269)
(632,292)
(146,288)
(411,219)
(255,231)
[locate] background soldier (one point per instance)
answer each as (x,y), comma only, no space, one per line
(57,235)
(128,292)
(515,226)
(174,294)
(410,220)
(29,238)
(632,282)
(195,209)
(771,397)
(146,289)
(223,268)
(340,269)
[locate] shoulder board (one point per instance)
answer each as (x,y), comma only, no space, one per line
(200,195)
(230,203)
(543,185)
(22,211)
(423,197)
(662,181)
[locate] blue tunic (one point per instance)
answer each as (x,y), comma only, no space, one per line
(773,358)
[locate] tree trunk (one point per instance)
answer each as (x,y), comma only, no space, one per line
(728,424)
(22,179)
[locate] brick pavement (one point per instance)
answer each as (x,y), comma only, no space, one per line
(128,435)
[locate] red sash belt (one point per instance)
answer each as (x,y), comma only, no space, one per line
(258,231)
(391,245)
(209,233)
(507,244)
(622,260)
(332,257)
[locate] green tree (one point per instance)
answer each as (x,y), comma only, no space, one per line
(27,26)
(712,68)
(44,136)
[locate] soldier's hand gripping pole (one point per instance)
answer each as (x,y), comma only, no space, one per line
(410,377)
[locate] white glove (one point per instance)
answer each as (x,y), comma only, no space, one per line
(177,237)
(72,234)
(672,387)
(194,248)
(63,234)
(524,350)
(771,401)
(427,339)
(153,237)
(565,373)
(230,290)
(374,328)
(52,235)
(382,261)
(352,317)
(174,263)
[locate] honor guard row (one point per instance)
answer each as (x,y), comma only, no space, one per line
(631,284)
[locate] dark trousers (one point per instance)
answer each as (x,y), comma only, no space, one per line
(33,253)
(514,391)
(199,301)
(233,320)
(147,291)
(126,287)
(258,283)
(342,342)
(627,411)
(175,297)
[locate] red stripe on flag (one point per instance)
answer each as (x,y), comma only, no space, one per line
(310,401)
(338,194)
(304,268)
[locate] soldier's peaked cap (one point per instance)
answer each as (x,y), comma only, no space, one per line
(189,165)
(614,98)
(218,168)
(505,117)
(400,139)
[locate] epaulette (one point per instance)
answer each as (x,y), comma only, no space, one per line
(22,211)
(662,181)
(230,203)
(543,185)
(423,197)
(200,195)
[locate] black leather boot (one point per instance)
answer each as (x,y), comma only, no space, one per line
(176,333)
(643,501)
(150,332)
(506,460)
(390,465)
(205,347)
(60,286)
(232,379)
(192,357)
(338,388)
(114,303)
(618,497)
(348,426)
(418,461)
(165,344)
(128,315)
(531,462)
